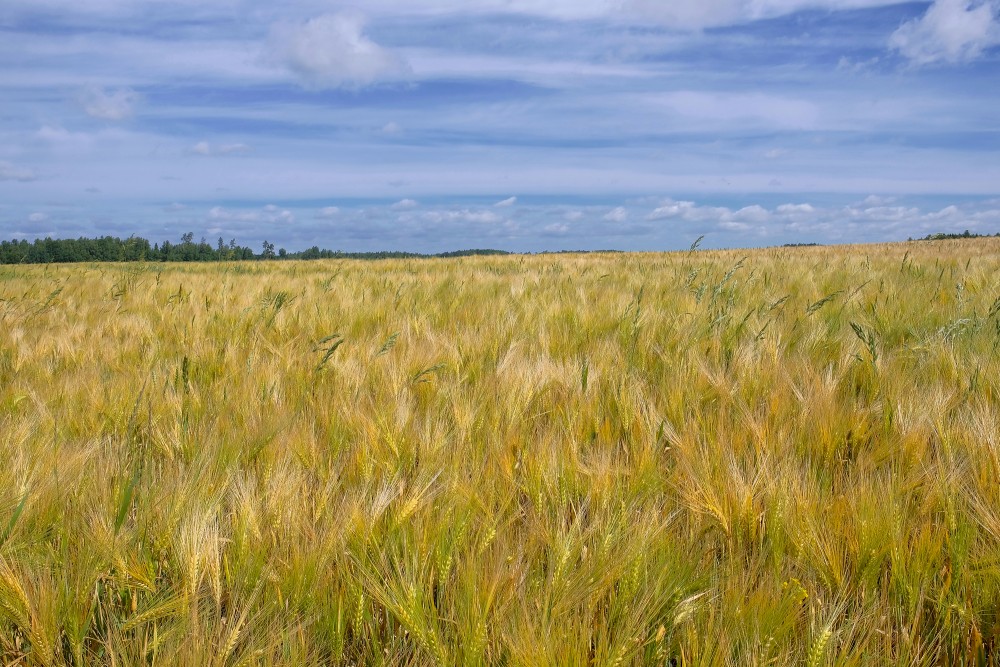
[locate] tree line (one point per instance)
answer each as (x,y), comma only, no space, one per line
(137,249)
(940,236)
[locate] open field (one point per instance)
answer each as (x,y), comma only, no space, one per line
(780,457)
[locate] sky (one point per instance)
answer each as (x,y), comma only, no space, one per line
(523,125)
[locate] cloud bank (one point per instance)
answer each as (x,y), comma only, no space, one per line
(115,105)
(10,172)
(638,224)
(952,31)
(333,51)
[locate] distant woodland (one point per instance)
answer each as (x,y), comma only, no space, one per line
(136,249)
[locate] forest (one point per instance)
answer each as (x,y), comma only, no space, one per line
(137,249)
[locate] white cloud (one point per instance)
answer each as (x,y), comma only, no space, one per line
(885,213)
(573,216)
(332,51)
(947,213)
(754,213)
(510,201)
(557,228)
(37,217)
(10,172)
(392,129)
(220,214)
(108,104)
(951,31)
(174,207)
(672,209)
(722,217)
(846,223)
(65,139)
(617,215)
(207,149)
(795,209)
(328,212)
(405,205)
(877,200)
(462,215)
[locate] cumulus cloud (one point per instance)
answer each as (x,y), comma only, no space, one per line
(675,209)
(947,213)
(207,149)
(618,214)
(462,215)
(558,228)
(885,213)
(951,31)
(851,223)
(10,172)
(118,104)
(405,205)
(65,139)
(174,208)
(282,216)
(752,217)
(754,213)
(220,214)
(328,212)
(793,209)
(877,200)
(333,51)
(37,217)
(510,201)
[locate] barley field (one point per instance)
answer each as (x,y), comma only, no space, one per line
(764,457)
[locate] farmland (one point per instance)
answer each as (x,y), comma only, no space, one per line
(780,456)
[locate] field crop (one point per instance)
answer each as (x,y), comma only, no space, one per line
(769,457)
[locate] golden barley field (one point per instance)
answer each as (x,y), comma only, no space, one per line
(763,457)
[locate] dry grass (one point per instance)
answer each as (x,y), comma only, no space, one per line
(784,458)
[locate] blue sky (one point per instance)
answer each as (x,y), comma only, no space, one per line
(526,125)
